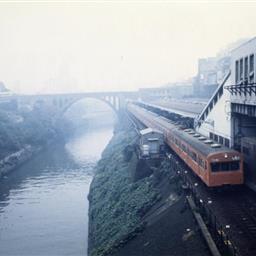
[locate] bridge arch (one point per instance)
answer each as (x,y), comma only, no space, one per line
(70,103)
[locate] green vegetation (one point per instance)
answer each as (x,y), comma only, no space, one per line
(17,129)
(116,203)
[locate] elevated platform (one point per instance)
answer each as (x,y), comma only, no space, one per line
(187,108)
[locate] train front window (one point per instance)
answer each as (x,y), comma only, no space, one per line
(225,166)
(235,165)
(215,167)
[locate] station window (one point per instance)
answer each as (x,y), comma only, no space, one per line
(225,166)
(246,70)
(221,139)
(237,72)
(227,143)
(211,135)
(241,70)
(215,137)
(251,69)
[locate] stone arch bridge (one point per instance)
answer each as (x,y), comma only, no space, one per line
(61,102)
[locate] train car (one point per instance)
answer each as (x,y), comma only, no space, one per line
(216,165)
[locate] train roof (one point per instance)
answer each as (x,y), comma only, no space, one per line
(149,130)
(199,145)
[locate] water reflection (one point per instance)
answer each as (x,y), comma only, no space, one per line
(43,204)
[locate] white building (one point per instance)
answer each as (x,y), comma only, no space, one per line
(215,120)
(229,115)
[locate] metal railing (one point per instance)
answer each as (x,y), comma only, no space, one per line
(242,89)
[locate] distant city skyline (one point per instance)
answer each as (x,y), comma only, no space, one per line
(106,46)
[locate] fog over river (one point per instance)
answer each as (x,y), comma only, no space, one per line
(43,203)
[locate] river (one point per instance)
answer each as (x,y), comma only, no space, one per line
(43,203)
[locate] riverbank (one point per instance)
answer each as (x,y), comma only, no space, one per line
(137,207)
(15,159)
(24,133)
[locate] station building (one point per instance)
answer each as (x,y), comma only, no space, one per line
(229,118)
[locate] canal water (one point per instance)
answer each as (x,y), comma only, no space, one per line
(43,204)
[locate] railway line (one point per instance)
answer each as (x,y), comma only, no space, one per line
(229,213)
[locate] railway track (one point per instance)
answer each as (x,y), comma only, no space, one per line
(136,123)
(229,213)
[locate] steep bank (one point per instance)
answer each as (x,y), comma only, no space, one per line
(137,207)
(115,201)
(17,158)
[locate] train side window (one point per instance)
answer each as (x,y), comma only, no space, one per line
(183,147)
(201,162)
(194,156)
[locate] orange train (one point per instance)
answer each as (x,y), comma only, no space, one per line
(216,165)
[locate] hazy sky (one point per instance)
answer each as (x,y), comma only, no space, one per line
(92,46)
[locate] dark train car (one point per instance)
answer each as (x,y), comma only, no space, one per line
(215,164)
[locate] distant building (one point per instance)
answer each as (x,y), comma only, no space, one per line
(242,90)
(173,90)
(211,72)
(229,118)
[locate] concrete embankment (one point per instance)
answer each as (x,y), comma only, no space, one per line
(17,158)
(137,207)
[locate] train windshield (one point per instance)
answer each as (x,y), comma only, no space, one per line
(225,166)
